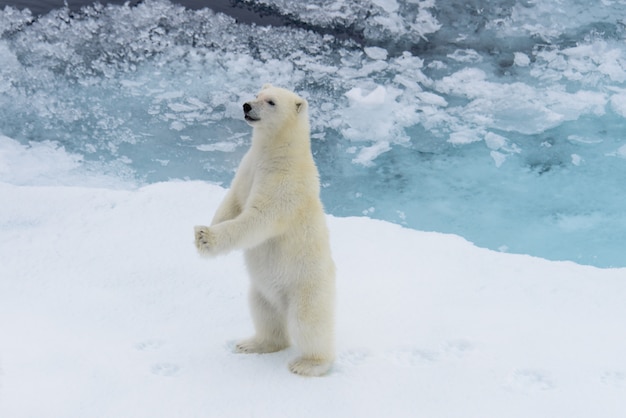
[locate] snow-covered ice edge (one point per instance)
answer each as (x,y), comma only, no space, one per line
(106,310)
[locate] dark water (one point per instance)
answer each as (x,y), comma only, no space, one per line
(240,11)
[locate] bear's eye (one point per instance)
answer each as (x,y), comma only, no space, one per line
(271,102)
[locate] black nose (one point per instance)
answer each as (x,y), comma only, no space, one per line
(246,107)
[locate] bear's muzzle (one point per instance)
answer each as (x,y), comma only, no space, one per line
(248,113)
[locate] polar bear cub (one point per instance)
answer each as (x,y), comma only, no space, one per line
(273,212)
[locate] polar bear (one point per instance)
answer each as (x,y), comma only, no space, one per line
(274,213)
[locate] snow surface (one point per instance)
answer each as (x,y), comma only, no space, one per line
(106,310)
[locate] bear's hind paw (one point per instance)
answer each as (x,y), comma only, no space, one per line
(310,367)
(252,346)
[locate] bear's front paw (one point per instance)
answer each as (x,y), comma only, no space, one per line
(205,240)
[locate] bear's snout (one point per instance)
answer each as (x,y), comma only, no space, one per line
(250,114)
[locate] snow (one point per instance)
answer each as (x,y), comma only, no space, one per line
(106,310)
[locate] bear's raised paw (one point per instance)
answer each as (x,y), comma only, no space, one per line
(205,240)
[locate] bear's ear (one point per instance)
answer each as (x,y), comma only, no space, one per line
(266,86)
(300,105)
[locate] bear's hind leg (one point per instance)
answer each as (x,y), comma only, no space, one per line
(312,328)
(271,331)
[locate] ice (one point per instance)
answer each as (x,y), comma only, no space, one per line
(39,161)
(219,146)
(485,119)
(465,56)
(376,53)
(389,6)
(618,104)
(621,152)
(465,137)
(373,98)
(382,130)
(380,21)
(495,141)
(47,163)
(518,107)
(521,59)
(369,154)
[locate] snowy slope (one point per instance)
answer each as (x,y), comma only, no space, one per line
(107,311)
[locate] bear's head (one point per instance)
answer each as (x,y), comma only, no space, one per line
(275,108)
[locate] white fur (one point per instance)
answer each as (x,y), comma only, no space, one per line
(274,213)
